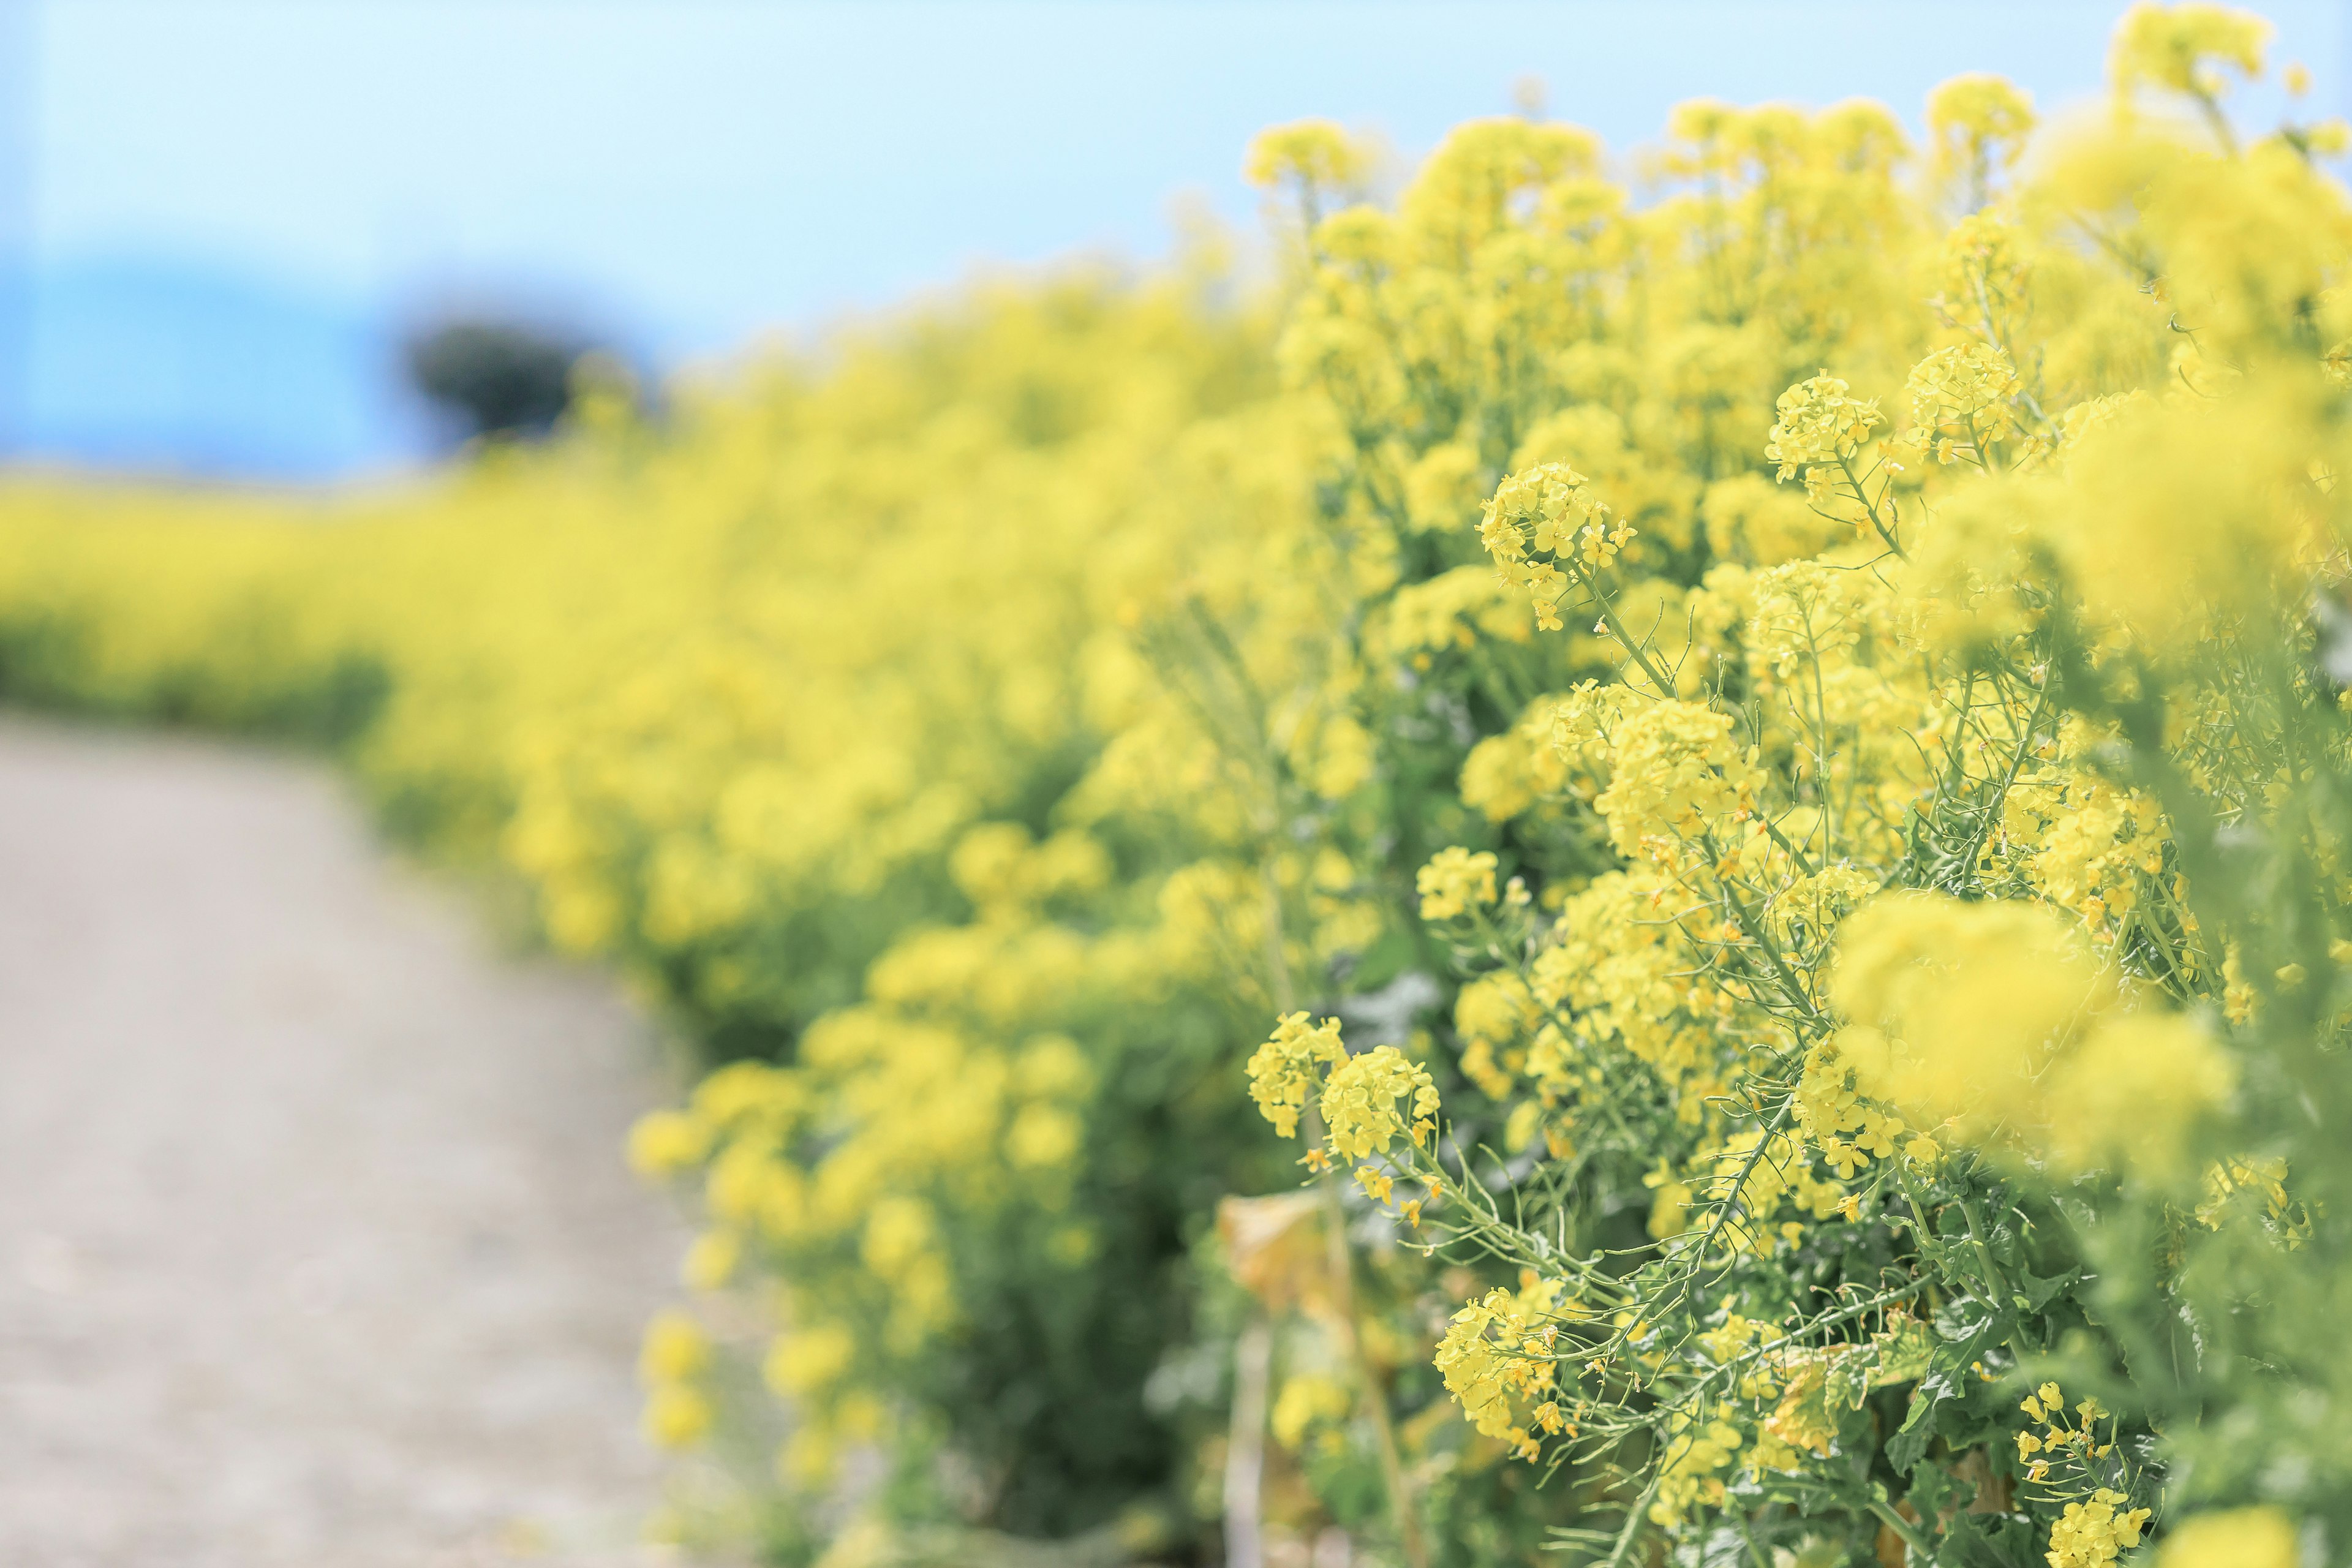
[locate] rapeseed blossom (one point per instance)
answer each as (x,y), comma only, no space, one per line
(2232,1538)
(1820,427)
(2093,1533)
(1800,715)
(1456,881)
(1371,1100)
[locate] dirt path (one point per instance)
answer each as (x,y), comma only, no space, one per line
(315,1245)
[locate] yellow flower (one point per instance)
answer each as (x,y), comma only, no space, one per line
(1283,1070)
(1455,882)
(2090,1533)
(665,1142)
(1680,773)
(2178,46)
(1371,1100)
(809,1357)
(675,1349)
(1993,1017)
(1475,1374)
(2232,1538)
(1960,402)
(1044,1137)
(1314,153)
(1492,1353)
(2130,1094)
(675,1416)
(1540,518)
(1978,123)
(1819,427)
(1306,1402)
(711,1260)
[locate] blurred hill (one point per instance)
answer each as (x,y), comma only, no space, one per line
(148,364)
(189,370)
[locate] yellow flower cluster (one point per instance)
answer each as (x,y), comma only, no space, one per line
(1960,403)
(1371,1100)
(1893,861)
(1544,518)
(2092,1533)
(2062,1434)
(1992,1016)
(1785,1407)
(1865,873)
(1281,1071)
(1677,775)
(672,1364)
(1819,427)
(1456,881)
(2233,1538)
(2180,48)
(1496,1357)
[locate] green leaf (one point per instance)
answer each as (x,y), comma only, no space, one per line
(1905,1351)
(1909,1444)
(2036,1293)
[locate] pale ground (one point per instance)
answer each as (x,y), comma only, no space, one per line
(316,1247)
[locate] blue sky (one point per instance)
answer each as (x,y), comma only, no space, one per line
(687,174)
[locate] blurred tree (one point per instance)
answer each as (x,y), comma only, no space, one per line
(494,378)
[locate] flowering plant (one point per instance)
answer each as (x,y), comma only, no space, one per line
(1940,918)
(1765,763)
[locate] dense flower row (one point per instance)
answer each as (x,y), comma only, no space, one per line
(1770,758)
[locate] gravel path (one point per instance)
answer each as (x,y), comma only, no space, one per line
(316,1247)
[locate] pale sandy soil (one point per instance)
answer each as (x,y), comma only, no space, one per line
(316,1247)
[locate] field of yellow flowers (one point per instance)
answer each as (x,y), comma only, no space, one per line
(1653,868)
